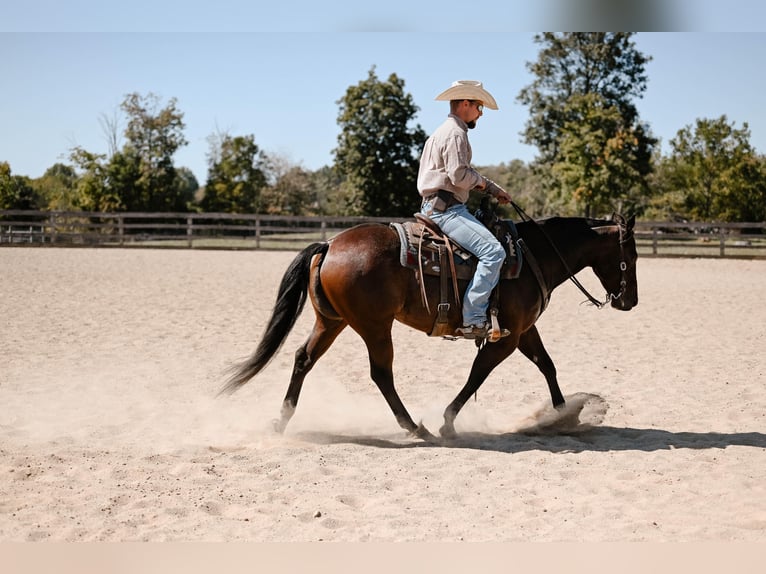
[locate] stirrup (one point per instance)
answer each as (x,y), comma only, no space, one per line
(496,333)
(473,331)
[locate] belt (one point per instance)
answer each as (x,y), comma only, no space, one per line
(447,198)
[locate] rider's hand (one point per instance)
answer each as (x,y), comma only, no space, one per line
(496,191)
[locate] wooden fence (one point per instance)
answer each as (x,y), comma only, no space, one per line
(228,231)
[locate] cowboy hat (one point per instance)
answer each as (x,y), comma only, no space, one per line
(468,90)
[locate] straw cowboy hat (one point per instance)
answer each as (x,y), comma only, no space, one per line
(468,90)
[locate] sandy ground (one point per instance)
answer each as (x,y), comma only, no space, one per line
(110,429)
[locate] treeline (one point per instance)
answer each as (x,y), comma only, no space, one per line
(595,154)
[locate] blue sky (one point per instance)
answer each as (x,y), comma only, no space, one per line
(280,79)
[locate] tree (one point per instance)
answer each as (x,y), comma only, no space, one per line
(92,190)
(15,190)
(583,119)
(57,187)
(327,184)
(524,182)
(153,136)
(601,164)
(378,153)
(715,169)
(141,176)
(187,185)
(293,191)
(235,175)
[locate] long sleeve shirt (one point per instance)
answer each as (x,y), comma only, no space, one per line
(446,161)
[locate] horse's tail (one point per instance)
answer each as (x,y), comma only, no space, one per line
(290,301)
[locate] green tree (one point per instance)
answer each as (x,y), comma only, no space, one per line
(583,119)
(187,186)
(235,177)
(715,169)
(327,184)
(378,153)
(292,190)
(15,190)
(601,164)
(57,187)
(525,183)
(92,190)
(665,203)
(141,176)
(153,135)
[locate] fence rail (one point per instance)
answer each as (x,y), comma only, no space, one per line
(235,231)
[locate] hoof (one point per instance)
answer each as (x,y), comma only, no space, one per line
(278,425)
(448,431)
(423,433)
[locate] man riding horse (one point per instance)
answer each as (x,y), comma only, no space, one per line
(445,180)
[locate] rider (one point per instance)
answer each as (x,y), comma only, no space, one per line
(445,180)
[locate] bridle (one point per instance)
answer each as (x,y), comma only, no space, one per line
(624,237)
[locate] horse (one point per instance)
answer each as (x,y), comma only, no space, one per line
(356,279)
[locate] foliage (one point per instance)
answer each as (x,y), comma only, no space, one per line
(92,192)
(601,163)
(57,187)
(153,136)
(378,154)
(584,122)
(713,173)
(15,190)
(141,176)
(524,182)
(235,177)
(327,184)
(294,189)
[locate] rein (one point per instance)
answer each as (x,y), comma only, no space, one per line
(591,299)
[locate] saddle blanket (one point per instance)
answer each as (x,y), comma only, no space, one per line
(418,241)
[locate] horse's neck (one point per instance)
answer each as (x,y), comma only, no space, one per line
(570,247)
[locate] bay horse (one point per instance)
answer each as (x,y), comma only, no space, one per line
(356,279)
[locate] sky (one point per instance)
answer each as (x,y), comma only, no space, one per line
(277,72)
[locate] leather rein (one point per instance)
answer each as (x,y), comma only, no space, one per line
(624,237)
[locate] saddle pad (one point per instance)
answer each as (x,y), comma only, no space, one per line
(415,238)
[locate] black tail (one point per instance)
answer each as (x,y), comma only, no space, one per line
(290,301)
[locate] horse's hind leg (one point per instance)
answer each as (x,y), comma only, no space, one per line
(323,334)
(531,345)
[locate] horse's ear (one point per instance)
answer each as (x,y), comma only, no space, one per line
(631,221)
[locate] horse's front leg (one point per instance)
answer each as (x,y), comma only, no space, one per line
(380,350)
(488,357)
(531,345)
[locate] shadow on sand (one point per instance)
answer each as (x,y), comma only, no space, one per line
(597,439)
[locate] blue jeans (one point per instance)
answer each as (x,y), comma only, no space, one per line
(468,232)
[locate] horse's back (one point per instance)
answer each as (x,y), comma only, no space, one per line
(362,271)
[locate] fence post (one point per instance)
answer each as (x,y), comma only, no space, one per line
(323,227)
(722,241)
(257,232)
(52,223)
(189,230)
(654,241)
